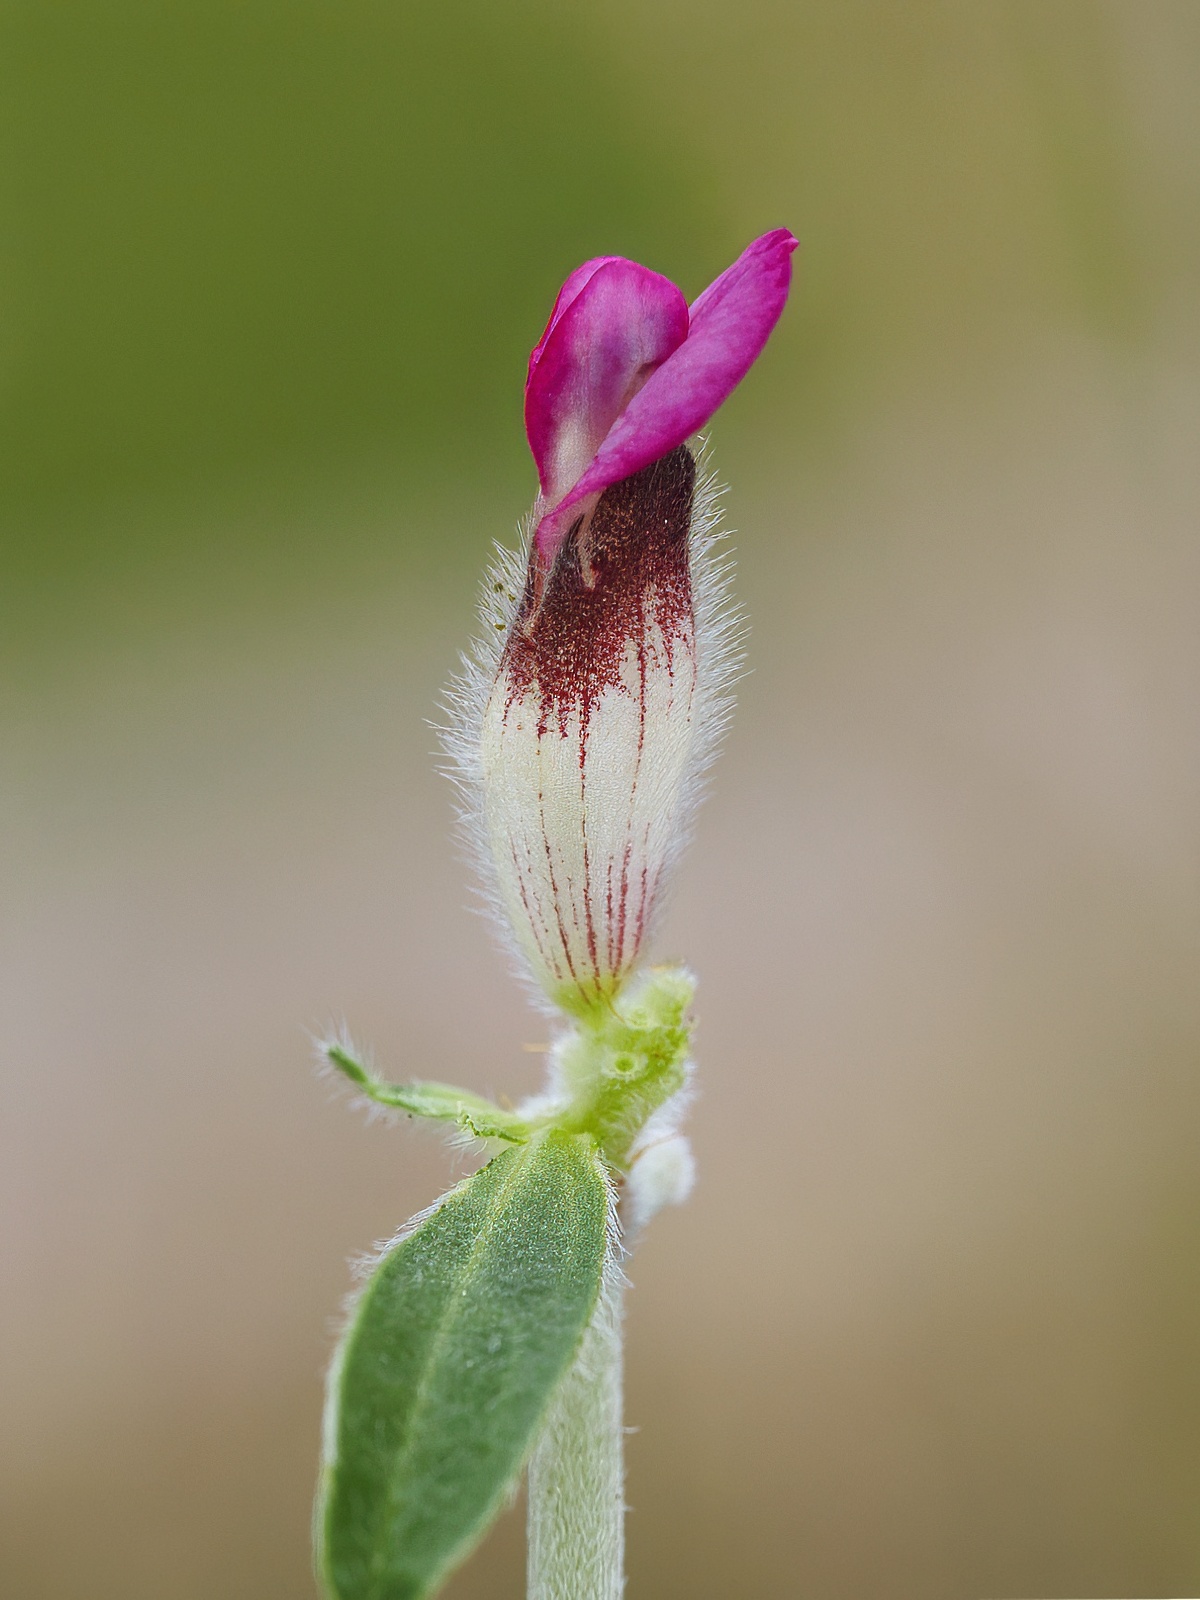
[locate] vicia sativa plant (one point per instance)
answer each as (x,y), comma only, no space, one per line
(486,1338)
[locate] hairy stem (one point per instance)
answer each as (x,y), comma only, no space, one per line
(577,1472)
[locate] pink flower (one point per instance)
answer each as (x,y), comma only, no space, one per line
(625,372)
(606,697)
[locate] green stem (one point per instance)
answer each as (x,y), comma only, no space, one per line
(577,1472)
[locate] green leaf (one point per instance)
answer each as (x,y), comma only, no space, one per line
(454,1350)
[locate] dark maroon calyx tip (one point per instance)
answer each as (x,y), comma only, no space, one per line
(619,570)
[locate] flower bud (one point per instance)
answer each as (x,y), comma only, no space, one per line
(584,734)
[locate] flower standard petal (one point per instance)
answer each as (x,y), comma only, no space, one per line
(729,325)
(614,323)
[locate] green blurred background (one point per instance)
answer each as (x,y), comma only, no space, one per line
(268,276)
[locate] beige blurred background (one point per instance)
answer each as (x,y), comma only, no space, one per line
(930,1326)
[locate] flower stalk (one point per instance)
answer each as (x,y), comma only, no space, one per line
(576,1479)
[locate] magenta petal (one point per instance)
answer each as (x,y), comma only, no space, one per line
(613,324)
(566,294)
(730,323)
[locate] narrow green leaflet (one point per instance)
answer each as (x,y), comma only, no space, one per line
(447,1367)
(440,1102)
